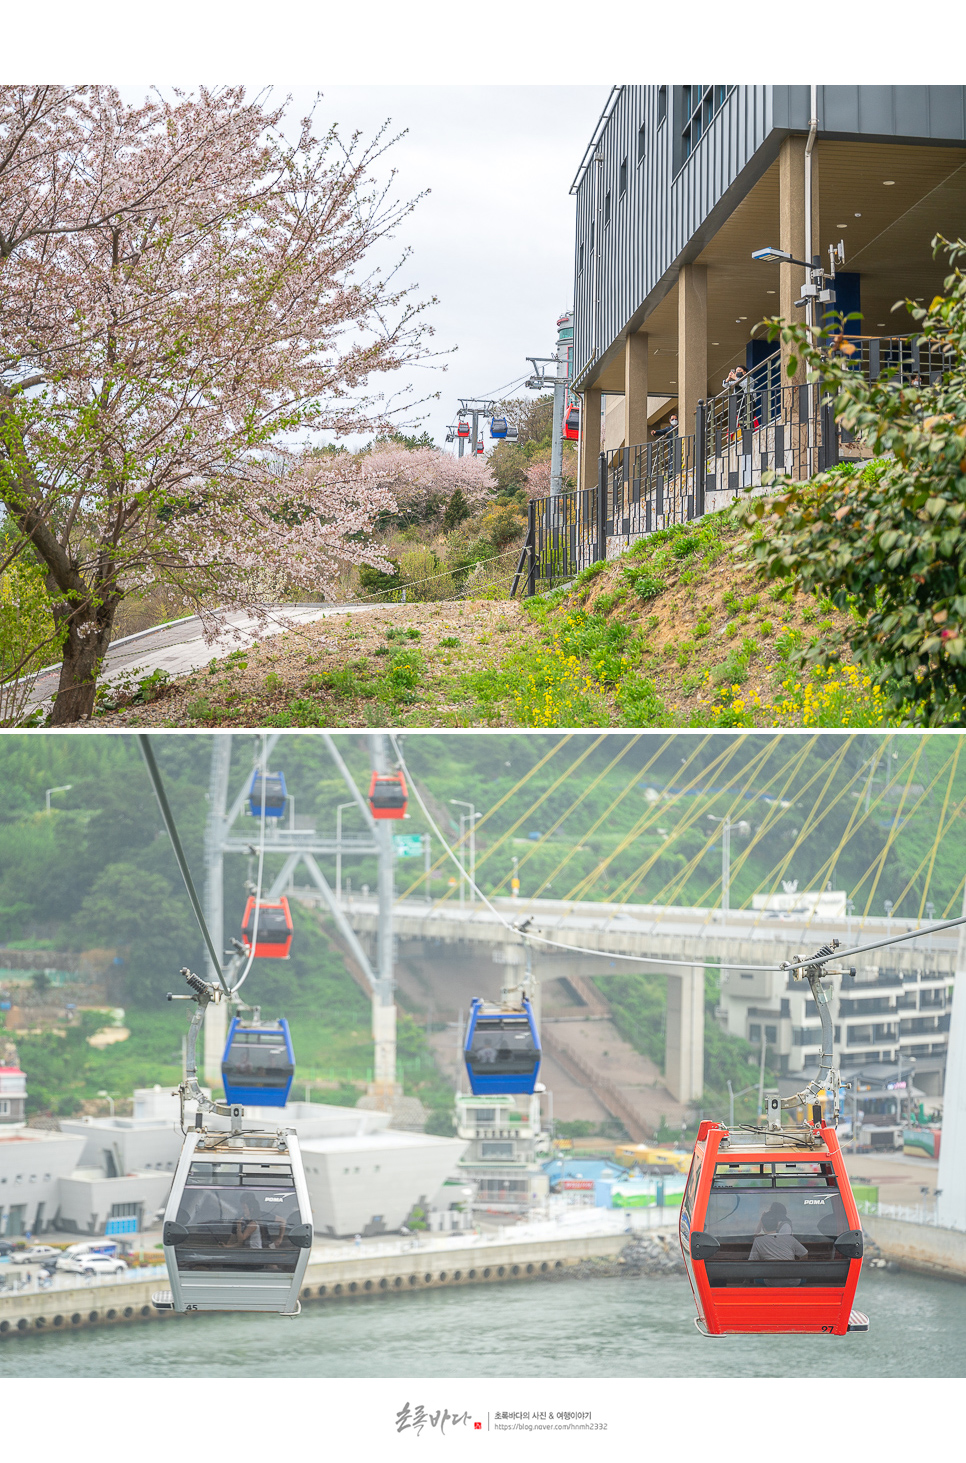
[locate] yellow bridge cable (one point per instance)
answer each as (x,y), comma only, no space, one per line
(591,787)
(649,816)
(652,814)
(671,887)
(773,814)
(583,884)
(521,782)
(940,829)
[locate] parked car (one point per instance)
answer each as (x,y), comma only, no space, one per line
(104,1248)
(35,1255)
(6,1249)
(91,1265)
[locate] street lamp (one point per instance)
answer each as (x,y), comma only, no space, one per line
(338,847)
(889,907)
(110,1100)
(470,818)
(726,827)
(66,788)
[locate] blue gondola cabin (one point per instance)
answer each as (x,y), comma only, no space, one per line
(258,1064)
(502,1050)
(274,793)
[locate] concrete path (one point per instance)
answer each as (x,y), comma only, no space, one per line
(180,647)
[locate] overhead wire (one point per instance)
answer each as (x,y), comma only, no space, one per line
(179,853)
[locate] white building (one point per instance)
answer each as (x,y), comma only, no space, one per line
(368,1184)
(13,1095)
(32,1165)
(504,1149)
(890,1014)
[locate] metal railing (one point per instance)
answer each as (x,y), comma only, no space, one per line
(752,426)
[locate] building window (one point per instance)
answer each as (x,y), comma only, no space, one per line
(622,185)
(700,104)
(606,209)
(641,143)
(661,105)
(125,1211)
(754,1033)
(771,1033)
(4,1106)
(496,1150)
(580,260)
(485,1116)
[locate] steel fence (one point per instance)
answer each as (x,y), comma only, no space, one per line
(754,425)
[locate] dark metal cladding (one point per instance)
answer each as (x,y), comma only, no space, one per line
(645,208)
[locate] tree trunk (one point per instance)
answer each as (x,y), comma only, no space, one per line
(84,650)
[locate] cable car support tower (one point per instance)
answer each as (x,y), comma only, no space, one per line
(303,846)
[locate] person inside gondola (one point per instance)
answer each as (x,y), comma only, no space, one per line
(775,1241)
(246,1232)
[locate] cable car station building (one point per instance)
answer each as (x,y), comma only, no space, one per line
(678,186)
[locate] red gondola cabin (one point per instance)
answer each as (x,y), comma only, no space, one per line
(571,423)
(388,795)
(770,1234)
(463,429)
(273,938)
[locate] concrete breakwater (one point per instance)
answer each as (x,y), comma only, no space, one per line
(420,1268)
(923,1248)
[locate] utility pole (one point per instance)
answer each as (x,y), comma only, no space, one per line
(558,380)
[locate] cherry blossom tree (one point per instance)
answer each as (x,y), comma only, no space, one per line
(184,308)
(423,476)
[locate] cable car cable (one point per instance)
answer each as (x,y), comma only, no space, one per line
(179,853)
(790,965)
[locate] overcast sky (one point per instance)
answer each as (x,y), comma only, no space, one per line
(494,239)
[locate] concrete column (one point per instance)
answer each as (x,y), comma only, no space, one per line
(684,1041)
(692,343)
(589,436)
(635,390)
(951,1203)
(791,233)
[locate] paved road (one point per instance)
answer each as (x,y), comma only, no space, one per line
(180,647)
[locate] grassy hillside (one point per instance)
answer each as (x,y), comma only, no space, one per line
(681,630)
